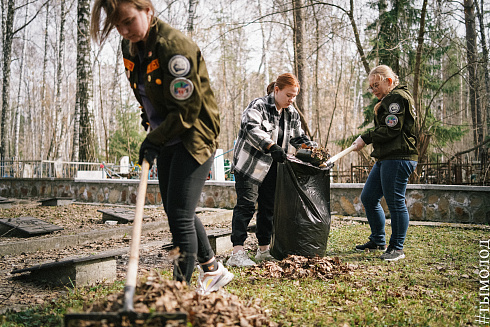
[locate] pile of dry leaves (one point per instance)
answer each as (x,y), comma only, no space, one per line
(296,267)
(155,293)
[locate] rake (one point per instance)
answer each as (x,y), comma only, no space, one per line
(128,312)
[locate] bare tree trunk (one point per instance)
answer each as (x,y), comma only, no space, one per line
(263,60)
(8,36)
(58,145)
(17,113)
(299,53)
(102,118)
(484,65)
(83,145)
(472,54)
(43,88)
(190,18)
(350,14)
(316,104)
(424,138)
(334,105)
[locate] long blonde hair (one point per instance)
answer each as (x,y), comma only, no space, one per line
(384,72)
(108,23)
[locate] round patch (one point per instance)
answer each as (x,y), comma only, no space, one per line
(391,120)
(179,66)
(394,108)
(181,88)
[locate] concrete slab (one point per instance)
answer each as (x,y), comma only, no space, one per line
(121,215)
(56,201)
(214,216)
(76,271)
(6,204)
(220,240)
(26,227)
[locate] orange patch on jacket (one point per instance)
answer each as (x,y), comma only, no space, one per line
(155,64)
(128,64)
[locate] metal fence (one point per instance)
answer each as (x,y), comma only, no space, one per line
(448,173)
(455,172)
(60,169)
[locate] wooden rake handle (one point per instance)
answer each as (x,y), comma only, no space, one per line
(339,155)
(132,272)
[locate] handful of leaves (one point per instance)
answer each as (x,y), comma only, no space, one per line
(314,155)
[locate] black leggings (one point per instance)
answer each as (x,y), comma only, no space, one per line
(181,179)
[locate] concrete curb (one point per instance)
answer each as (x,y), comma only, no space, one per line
(58,242)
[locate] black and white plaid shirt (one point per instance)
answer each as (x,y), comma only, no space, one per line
(258,129)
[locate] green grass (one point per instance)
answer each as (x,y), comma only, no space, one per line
(435,285)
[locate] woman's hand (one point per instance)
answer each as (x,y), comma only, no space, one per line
(359,143)
(148,151)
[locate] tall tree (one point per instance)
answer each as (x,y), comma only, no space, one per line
(485,59)
(299,52)
(59,126)
(8,37)
(17,113)
(83,143)
(42,139)
(473,80)
(191,16)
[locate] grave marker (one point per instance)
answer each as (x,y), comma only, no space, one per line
(26,227)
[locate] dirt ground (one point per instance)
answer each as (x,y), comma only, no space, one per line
(18,293)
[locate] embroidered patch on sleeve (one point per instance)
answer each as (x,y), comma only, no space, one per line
(179,66)
(394,108)
(181,88)
(391,120)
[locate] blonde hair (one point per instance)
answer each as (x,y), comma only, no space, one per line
(384,72)
(110,7)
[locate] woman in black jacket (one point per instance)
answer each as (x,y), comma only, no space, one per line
(395,150)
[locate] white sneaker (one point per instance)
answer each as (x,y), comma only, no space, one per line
(264,256)
(212,281)
(240,259)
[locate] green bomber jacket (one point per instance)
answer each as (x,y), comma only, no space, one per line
(177,84)
(393,136)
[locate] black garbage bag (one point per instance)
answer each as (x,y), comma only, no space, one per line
(301,210)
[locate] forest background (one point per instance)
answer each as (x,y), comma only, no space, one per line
(66,98)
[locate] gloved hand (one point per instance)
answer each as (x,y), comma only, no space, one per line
(277,153)
(148,151)
(359,143)
(144,119)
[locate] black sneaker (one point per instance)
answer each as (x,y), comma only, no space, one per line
(370,246)
(392,255)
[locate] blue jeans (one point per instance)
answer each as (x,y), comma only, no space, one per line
(388,178)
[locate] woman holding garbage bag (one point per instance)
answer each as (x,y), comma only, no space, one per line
(169,78)
(395,150)
(269,125)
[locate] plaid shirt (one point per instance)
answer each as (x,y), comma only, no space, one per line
(258,129)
